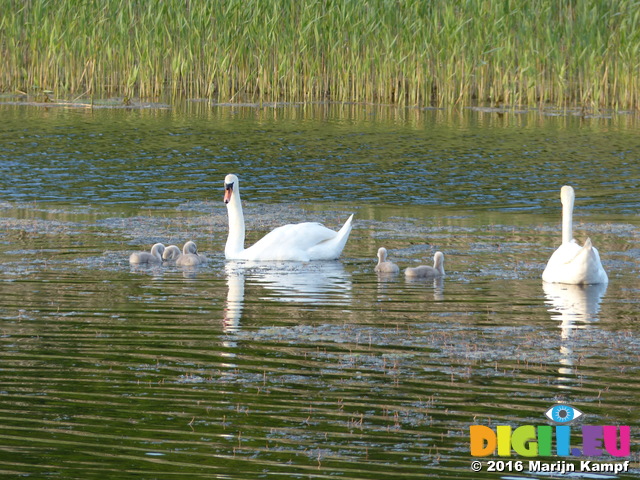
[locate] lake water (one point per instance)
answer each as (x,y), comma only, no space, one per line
(319,370)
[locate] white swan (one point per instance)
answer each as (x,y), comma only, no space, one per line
(425,271)
(145,257)
(190,255)
(571,263)
(300,242)
(383,265)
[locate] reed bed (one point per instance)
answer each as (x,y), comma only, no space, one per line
(407,52)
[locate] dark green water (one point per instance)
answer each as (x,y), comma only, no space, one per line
(317,370)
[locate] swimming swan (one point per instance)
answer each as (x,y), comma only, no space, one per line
(145,257)
(425,271)
(571,263)
(383,265)
(300,242)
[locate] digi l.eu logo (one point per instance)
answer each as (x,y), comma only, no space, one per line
(540,440)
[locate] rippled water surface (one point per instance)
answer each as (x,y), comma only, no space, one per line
(318,370)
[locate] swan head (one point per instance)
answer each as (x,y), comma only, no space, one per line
(382,254)
(567,195)
(230,186)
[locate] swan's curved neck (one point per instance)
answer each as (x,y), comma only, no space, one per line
(235,239)
(567,219)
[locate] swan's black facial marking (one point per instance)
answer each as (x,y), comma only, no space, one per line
(228,190)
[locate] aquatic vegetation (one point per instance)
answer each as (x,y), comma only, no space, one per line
(407,52)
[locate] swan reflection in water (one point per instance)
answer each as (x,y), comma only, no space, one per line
(575,306)
(314,283)
(235,298)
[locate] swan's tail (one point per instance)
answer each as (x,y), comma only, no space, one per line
(332,248)
(343,234)
(346,228)
(595,272)
(587,267)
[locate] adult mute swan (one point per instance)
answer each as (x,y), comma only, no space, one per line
(385,266)
(300,242)
(425,271)
(571,263)
(155,256)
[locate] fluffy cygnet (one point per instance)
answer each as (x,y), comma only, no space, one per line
(425,271)
(383,265)
(155,256)
(190,255)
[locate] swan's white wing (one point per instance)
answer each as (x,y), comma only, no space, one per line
(289,242)
(564,253)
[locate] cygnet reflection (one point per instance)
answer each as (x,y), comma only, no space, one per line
(437,283)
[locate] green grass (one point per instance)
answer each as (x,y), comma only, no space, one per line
(409,52)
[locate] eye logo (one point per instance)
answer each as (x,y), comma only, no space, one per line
(563,414)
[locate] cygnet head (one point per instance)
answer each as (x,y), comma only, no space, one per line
(438,262)
(172,252)
(231,185)
(382,254)
(190,247)
(157,249)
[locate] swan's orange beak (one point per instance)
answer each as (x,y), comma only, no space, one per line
(228,190)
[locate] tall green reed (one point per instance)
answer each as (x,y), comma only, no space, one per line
(408,52)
